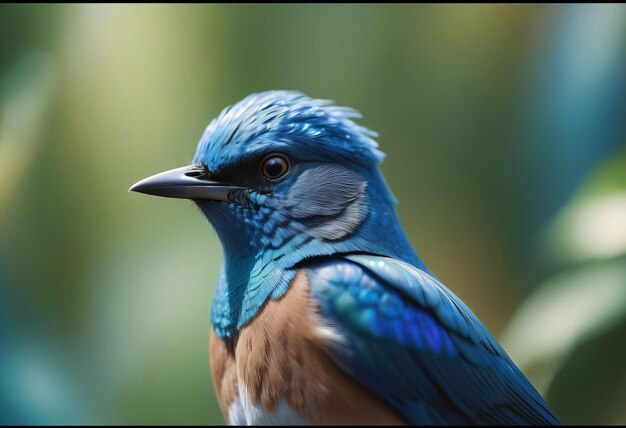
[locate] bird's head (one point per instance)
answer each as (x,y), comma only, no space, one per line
(282,178)
(279,158)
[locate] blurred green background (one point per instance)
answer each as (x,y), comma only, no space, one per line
(504,127)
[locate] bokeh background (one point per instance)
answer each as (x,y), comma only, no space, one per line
(504,127)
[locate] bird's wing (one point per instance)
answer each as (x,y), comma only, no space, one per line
(411,341)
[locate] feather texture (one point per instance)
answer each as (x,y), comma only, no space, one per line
(417,346)
(385,320)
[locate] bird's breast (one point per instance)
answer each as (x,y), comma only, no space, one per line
(277,370)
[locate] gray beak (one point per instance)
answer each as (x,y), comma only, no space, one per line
(187,182)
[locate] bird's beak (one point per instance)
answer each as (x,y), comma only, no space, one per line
(187,182)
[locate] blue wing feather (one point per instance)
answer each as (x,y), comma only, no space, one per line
(411,341)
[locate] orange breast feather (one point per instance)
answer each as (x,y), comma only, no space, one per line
(280,357)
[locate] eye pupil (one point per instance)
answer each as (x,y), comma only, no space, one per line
(275,167)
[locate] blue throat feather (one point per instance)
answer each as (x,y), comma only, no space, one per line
(323,206)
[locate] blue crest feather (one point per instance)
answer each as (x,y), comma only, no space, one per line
(289,121)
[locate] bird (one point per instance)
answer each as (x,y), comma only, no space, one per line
(323,312)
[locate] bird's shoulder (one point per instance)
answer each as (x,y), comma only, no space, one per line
(394,298)
(278,369)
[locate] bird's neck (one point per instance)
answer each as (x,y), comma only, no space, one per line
(259,264)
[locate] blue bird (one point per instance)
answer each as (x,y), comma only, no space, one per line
(323,313)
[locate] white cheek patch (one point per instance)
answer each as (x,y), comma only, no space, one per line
(243,412)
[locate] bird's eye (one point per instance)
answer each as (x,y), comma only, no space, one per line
(274,166)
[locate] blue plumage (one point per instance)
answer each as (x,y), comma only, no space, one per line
(324,208)
(417,346)
(289,122)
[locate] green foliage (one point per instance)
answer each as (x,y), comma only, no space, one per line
(568,335)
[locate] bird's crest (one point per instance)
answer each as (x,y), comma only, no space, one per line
(289,120)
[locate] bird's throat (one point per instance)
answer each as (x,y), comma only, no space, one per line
(262,252)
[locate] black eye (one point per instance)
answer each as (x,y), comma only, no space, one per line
(274,166)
